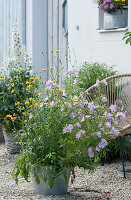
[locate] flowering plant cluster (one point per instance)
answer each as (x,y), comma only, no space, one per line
(65,130)
(17,84)
(111,5)
(15,89)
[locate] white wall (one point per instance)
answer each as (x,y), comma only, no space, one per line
(90,45)
(29,27)
(37,32)
(57,40)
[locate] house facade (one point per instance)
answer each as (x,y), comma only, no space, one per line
(81,37)
(73,27)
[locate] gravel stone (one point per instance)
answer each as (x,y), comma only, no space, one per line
(103,184)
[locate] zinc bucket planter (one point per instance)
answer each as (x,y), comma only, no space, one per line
(116,19)
(60,187)
(11,142)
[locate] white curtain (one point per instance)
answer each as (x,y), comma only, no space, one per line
(11,12)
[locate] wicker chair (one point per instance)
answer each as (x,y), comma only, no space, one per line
(118,87)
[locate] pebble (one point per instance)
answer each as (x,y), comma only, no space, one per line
(103,184)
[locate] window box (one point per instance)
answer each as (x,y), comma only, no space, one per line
(116,19)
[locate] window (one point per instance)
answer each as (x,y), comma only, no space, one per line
(11,12)
(113,19)
(65,16)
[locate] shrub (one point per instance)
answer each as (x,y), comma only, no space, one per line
(90,72)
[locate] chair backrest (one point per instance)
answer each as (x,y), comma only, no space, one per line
(118,87)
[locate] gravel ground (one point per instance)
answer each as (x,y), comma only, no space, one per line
(103,184)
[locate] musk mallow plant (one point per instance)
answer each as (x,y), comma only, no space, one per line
(64,130)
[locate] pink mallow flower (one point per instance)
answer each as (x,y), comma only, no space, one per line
(103,143)
(52,103)
(76,98)
(75,81)
(73,115)
(90,152)
(113,108)
(105,82)
(71,71)
(68,129)
(31,116)
(78,125)
(108,125)
(104,99)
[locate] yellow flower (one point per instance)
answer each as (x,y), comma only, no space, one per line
(30,99)
(27,102)
(33,100)
(15,103)
(85,103)
(44,81)
(54,81)
(19,68)
(36,78)
(47,104)
(2,79)
(34,82)
(57,51)
(18,103)
(52,67)
(31,78)
(57,74)
(43,69)
(39,93)
(46,89)
(35,91)
(29,86)
(36,104)
(25,120)
(23,113)
(12,118)
(11,80)
(14,114)
(27,82)
(76,102)
(12,91)
(60,90)
(12,85)
(9,115)
(15,117)
(30,106)
(51,50)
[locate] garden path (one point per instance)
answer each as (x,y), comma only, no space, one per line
(103,184)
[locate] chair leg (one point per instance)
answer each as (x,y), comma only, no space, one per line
(122,157)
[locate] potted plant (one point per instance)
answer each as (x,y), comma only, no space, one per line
(115,13)
(17,84)
(63,131)
(15,89)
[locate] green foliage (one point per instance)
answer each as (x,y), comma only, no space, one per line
(113,150)
(14,91)
(127,37)
(90,72)
(17,84)
(62,131)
